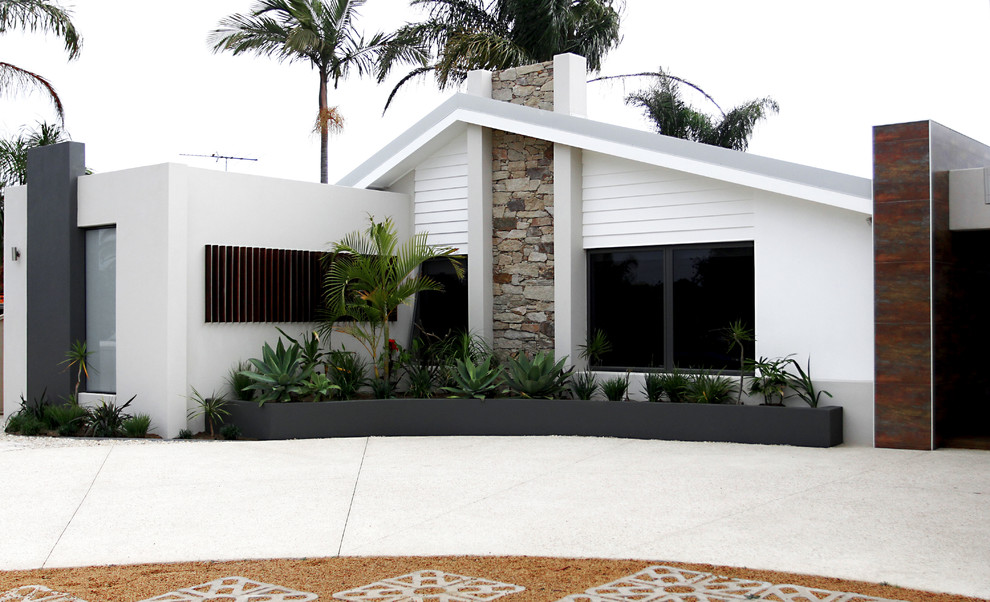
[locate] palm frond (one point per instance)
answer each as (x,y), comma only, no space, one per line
(38,15)
(13,77)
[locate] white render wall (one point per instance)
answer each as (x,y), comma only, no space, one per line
(441,196)
(165,216)
(813,264)
(15,303)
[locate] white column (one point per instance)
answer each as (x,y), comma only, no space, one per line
(479,151)
(570,85)
(570,279)
(15,258)
(479,83)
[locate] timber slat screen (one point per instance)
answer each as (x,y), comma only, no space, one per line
(251,284)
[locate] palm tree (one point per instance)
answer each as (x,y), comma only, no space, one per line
(370,275)
(321,32)
(462,35)
(36,15)
(672,116)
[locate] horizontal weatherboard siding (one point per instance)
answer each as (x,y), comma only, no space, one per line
(441,197)
(633,204)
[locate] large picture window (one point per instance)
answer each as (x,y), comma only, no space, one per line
(666,307)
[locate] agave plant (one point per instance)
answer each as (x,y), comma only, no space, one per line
(474,380)
(279,374)
(539,377)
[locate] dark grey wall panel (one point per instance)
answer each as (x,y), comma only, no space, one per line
(56,284)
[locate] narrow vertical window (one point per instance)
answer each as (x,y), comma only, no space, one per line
(101,309)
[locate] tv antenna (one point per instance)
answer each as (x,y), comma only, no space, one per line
(218,156)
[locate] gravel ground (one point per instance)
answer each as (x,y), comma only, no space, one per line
(14,442)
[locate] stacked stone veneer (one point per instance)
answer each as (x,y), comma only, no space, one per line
(522,220)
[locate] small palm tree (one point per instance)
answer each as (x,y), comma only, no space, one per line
(461,35)
(672,116)
(320,32)
(46,17)
(369,276)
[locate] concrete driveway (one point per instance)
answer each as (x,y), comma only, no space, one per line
(915,519)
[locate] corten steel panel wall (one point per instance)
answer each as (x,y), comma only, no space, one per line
(913,261)
(56,284)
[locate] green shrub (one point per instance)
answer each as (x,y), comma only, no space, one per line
(67,419)
(240,383)
(212,409)
(348,372)
(708,387)
(319,387)
(137,426)
(185,434)
(107,419)
(653,386)
(230,432)
(279,374)
(537,378)
(803,386)
(474,380)
(770,379)
(25,424)
(615,388)
(584,385)
(673,384)
(382,388)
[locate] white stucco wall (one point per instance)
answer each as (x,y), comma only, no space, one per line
(165,216)
(15,299)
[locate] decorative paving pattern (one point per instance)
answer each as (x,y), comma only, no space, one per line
(669,584)
(37,593)
(430,586)
(235,589)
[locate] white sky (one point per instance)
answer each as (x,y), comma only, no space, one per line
(147,88)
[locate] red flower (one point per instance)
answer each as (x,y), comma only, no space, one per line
(392,345)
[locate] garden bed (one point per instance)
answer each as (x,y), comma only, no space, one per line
(802,426)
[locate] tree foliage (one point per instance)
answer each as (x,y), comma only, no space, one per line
(36,16)
(372,273)
(320,32)
(673,116)
(461,35)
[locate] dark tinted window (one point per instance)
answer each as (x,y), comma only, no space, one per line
(439,313)
(648,326)
(626,303)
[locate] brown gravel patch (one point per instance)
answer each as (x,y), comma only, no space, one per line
(545,579)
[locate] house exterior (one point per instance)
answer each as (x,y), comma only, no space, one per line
(568,226)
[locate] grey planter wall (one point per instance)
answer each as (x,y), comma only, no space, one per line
(809,427)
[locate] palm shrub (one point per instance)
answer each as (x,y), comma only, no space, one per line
(474,380)
(653,386)
(709,387)
(279,374)
(584,385)
(370,274)
(769,379)
(78,357)
(539,377)
(615,388)
(212,409)
(803,386)
(347,372)
(674,383)
(595,346)
(107,419)
(137,426)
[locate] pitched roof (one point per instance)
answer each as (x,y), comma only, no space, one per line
(451,119)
